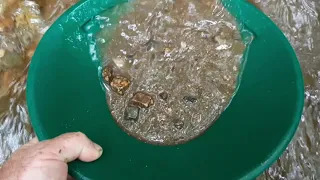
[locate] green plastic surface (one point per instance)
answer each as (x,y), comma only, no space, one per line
(64,94)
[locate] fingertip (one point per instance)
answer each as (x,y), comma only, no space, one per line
(97,147)
(100,152)
(91,153)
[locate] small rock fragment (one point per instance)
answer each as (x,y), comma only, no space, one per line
(153,56)
(142,100)
(149,45)
(190,99)
(107,74)
(164,95)
(167,52)
(131,113)
(173,68)
(120,84)
(178,124)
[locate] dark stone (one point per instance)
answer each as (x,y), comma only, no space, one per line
(131,56)
(120,84)
(150,43)
(142,100)
(153,56)
(178,124)
(131,113)
(173,68)
(190,99)
(164,95)
(149,46)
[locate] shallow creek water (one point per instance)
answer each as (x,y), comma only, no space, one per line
(299,19)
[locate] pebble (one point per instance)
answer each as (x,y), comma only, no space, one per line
(178,124)
(190,99)
(164,95)
(142,100)
(131,113)
(120,84)
(107,74)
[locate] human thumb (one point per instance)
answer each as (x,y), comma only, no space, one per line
(73,146)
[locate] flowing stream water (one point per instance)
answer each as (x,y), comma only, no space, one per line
(23,22)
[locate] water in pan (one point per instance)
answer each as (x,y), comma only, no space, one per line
(299,19)
(182,59)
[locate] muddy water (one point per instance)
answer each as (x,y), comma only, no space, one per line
(185,56)
(299,19)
